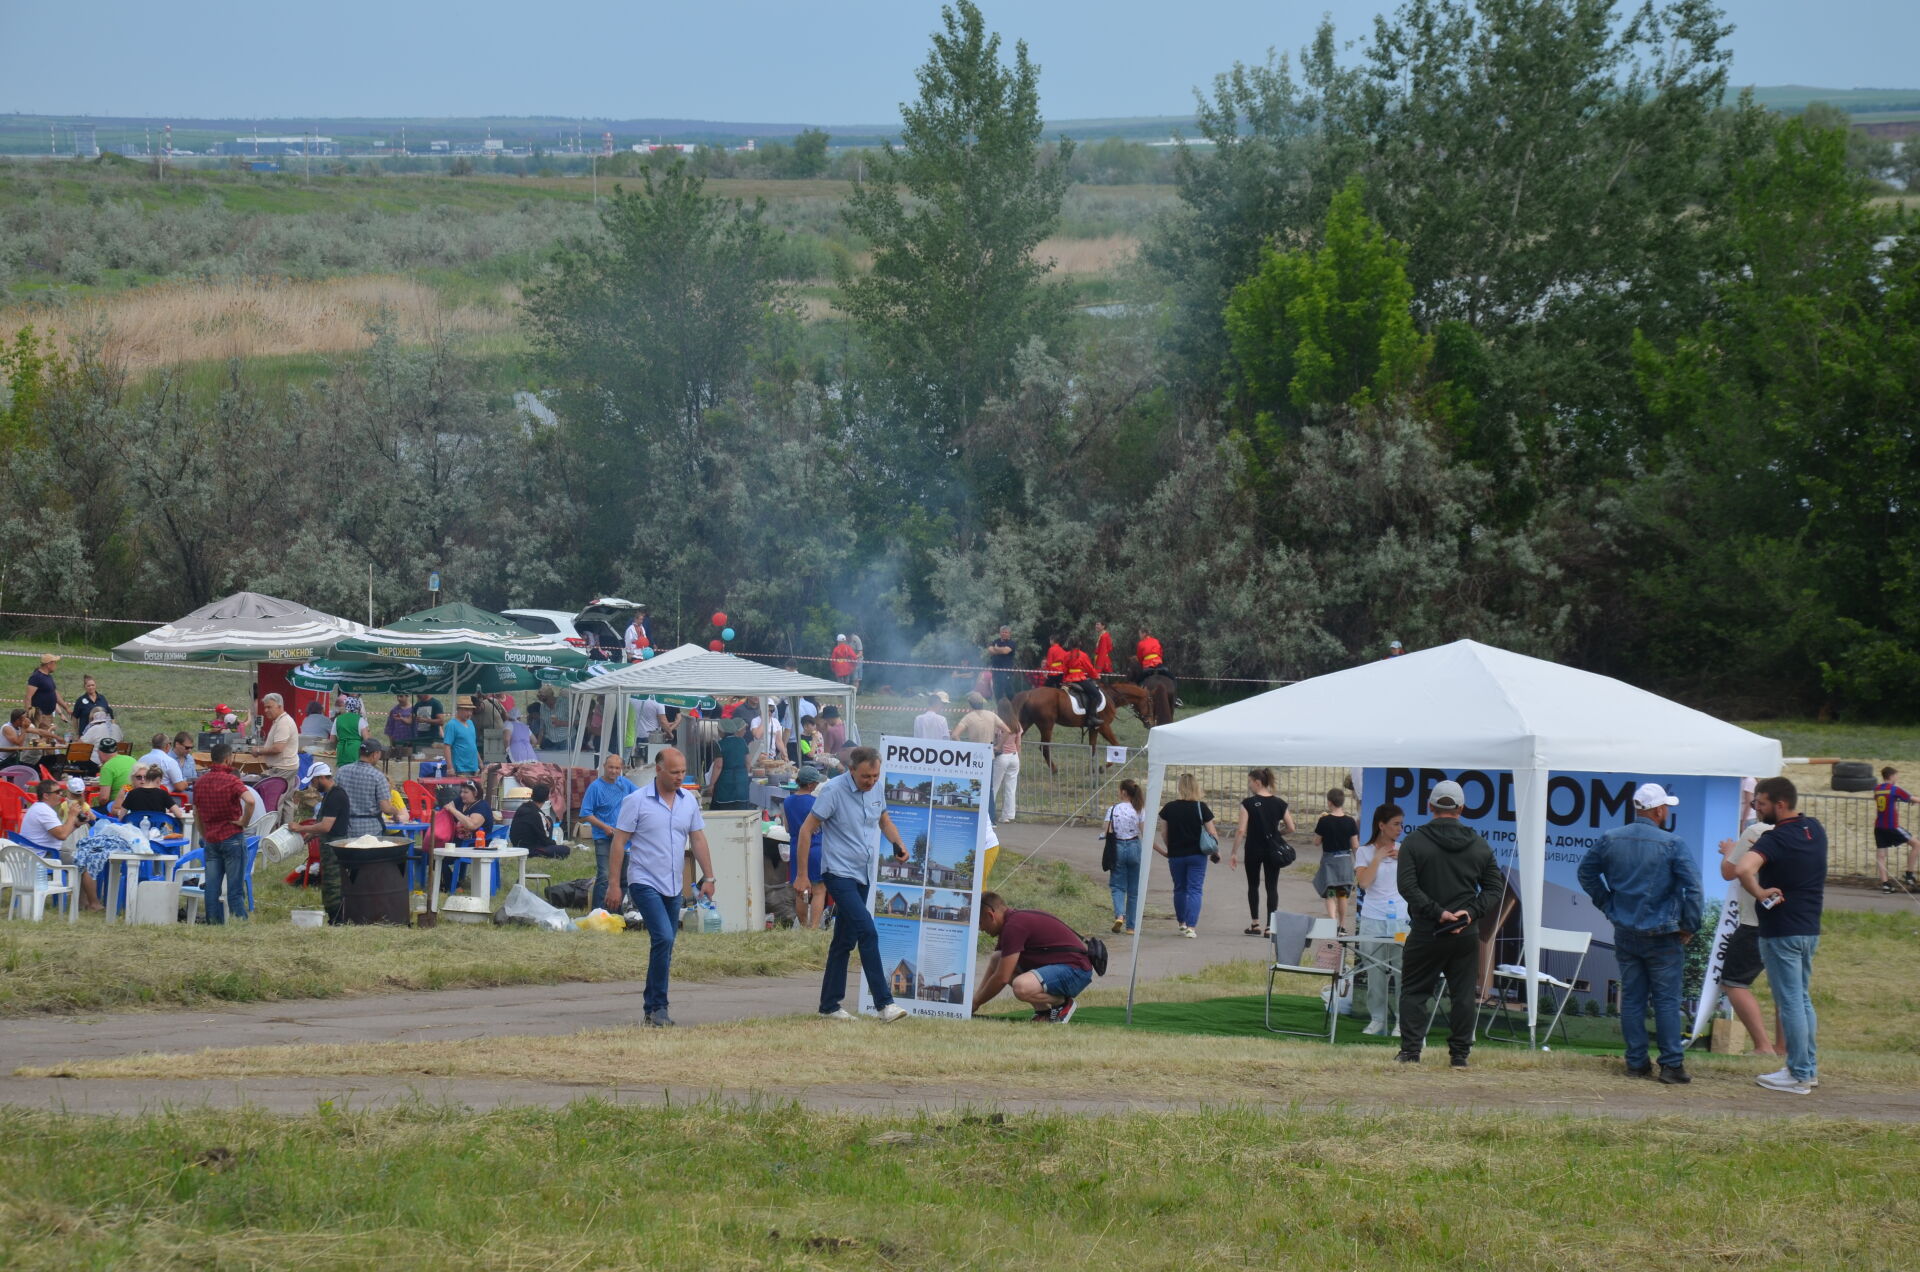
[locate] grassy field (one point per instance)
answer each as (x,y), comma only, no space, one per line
(769,1186)
(1888,742)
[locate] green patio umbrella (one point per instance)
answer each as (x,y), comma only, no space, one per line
(247,627)
(332,675)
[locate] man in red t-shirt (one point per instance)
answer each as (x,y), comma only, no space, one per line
(842,660)
(1042,958)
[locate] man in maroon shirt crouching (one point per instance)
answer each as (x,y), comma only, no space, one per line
(1042,958)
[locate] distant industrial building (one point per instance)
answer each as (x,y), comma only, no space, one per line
(85,144)
(296,146)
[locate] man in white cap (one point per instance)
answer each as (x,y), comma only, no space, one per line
(932,723)
(1450,881)
(1642,877)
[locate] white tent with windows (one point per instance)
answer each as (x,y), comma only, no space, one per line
(1465,705)
(692,672)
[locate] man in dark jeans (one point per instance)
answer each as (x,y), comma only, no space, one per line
(1449,880)
(850,816)
(220,803)
(1643,879)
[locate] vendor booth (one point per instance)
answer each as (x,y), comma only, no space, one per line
(1543,752)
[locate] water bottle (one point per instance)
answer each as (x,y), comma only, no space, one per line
(710,920)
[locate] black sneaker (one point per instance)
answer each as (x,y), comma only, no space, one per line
(1408,1057)
(1909,880)
(1640,1070)
(1457,1060)
(1674,1075)
(1887,886)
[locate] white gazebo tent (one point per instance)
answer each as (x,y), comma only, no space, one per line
(1465,705)
(691,671)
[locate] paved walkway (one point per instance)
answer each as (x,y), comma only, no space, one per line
(560,1009)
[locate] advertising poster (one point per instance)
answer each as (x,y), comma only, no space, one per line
(1580,808)
(927,908)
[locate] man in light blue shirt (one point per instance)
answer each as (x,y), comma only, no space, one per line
(463,741)
(660,822)
(599,809)
(850,816)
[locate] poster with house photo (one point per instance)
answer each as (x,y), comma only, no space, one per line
(927,908)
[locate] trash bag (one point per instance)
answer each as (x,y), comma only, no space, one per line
(601,921)
(522,904)
(570,894)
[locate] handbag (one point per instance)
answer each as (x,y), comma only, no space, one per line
(1110,854)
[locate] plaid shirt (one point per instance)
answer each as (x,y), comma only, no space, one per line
(220,803)
(367,792)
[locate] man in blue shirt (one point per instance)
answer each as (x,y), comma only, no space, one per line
(599,809)
(1642,877)
(659,822)
(463,741)
(850,816)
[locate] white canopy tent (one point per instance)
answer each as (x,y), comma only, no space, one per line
(1465,705)
(691,671)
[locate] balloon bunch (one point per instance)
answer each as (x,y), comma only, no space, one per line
(726,633)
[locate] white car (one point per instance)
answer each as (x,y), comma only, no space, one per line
(548,623)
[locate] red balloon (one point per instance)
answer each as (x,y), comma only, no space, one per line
(716,645)
(719,618)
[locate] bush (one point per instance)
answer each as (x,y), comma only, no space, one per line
(80,267)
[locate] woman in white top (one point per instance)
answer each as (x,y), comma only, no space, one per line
(1125,821)
(1376,868)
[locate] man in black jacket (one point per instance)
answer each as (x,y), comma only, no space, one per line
(532,826)
(1450,880)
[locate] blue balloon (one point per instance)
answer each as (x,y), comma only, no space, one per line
(726,633)
(648,652)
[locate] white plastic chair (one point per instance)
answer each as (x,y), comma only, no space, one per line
(32,878)
(1293,936)
(1552,941)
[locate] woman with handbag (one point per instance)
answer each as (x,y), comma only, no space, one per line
(1187,840)
(1121,857)
(1265,823)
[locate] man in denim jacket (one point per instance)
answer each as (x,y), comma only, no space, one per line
(1642,877)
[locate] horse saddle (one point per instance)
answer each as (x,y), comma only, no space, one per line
(1089,698)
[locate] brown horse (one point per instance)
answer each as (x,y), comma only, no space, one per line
(1152,701)
(1048,707)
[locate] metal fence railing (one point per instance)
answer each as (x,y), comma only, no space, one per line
(1849,823)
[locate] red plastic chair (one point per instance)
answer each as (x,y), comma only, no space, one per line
(13,807)
(420,802)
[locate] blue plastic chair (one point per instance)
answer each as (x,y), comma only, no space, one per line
(155,821)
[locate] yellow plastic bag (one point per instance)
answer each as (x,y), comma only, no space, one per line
(601,921)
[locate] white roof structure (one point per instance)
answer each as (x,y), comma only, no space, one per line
(1468,705)
(691,670)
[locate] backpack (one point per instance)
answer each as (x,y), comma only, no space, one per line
(1094,948)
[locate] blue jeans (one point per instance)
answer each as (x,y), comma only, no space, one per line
(852,926)
(1650,967)
(1189,879)
(226,863)
(1789,961)
(1124,880)
(662,915)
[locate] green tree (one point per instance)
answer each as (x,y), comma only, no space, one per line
(649,325)
(809,156)
(954,216)
(1323,326)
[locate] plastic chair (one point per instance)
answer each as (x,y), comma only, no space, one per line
(13,806)
(31,879)
(24,776)
(154,821)
(1552,941)
(1293,935)
(194,894)
(420,802)
(270,790)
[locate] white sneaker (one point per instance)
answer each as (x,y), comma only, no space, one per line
(1786,1075)
(1375,1028)
(892,1012)
(1189,933)
(1783,1081)
(840,1014)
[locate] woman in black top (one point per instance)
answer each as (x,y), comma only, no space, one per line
(1264,821)
(1186,827)
(148,793)
(1337,832)
(532,825)
(89,701)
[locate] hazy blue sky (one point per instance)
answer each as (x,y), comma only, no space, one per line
(828,61)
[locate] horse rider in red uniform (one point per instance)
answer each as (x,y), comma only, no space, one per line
(1054,666)
(1146,652)
(1103,653)
(1080,680)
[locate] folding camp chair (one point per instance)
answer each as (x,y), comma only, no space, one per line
(1293,936)
(1512,1028)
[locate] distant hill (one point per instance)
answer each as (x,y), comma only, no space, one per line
(1866,105)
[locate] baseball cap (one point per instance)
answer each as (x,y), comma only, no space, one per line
(319,769)
(1394,644)
(807,776)
(977,701)
(1653,795)
(77,786)
(1447,795)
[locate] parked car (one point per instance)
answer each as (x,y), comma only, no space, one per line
(605,622)
(548,623)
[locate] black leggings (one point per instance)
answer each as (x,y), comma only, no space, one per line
(1268,865)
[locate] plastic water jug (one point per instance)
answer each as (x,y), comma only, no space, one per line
(710,920)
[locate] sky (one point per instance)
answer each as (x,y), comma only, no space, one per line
(763,61)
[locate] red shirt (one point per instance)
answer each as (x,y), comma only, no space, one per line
(843,659)
(1056,659)
(1103,654)
(220,802)
(1041,941)
(1148,652)
(1078,666)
